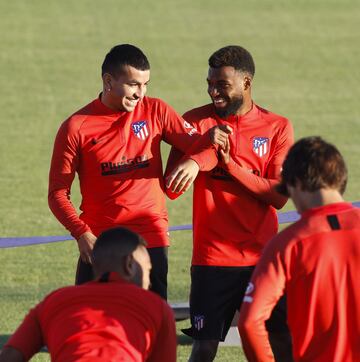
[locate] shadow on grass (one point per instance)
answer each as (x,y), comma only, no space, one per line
(184,340)
(5,337)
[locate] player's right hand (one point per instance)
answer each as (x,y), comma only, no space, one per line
(181,178)
(86,244)
(220,134)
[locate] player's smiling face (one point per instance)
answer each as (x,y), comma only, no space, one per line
(225,88)
(127,90)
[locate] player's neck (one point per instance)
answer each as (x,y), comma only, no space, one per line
(107,101)
(308,200)
(245,107)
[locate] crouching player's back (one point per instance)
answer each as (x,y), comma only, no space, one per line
(111,319)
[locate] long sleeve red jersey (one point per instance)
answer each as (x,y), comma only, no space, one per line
(113,321)
(118,161)
(234,205)
(316,262)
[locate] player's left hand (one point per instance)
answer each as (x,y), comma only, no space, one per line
(219,135)
(225,153)
(183,175)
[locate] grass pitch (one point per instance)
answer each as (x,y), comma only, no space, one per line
(306,55)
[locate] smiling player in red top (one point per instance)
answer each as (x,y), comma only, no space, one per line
(110,319)
(315,262)
(233,205)
(113,144)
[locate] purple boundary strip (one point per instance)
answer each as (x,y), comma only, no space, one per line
(284,218)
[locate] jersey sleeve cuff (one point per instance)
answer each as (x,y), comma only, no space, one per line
(77,232)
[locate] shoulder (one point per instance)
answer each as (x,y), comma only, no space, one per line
(151,102)
(288,237)
(74,122)
(153,302)
(158,108)
(58,296)
(273,118)
(199,113)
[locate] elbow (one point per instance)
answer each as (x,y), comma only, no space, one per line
(50,199)
(280,202)
(245,324)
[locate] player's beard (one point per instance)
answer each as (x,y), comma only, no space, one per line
(233,106)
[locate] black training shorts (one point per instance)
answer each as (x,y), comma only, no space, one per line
(216,293)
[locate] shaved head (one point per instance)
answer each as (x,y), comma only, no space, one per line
(113,248)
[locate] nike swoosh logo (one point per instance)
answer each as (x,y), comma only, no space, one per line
(95,141)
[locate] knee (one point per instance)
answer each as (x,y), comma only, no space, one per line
(204,351)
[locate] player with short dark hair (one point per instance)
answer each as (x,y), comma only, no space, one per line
(121,56)
(113,144)
(315,261)
(234,205)
(233,56)
(326,170)
(111,319)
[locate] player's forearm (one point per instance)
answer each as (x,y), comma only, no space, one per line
(261,188)
(64,211)
(203,152)
(26,341)
(174,157)
(255,342)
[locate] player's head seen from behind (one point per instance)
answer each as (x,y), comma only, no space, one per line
(230,75)
(123,251)
(126,74)
(313,164)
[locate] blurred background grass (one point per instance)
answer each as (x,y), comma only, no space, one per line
(306,55)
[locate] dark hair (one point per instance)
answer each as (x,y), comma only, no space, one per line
(233,56)
(111,248)
(315,164)
(122,55)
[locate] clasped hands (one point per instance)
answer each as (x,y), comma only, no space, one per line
(184,174)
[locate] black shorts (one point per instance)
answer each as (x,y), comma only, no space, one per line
(216,293)
(158,273)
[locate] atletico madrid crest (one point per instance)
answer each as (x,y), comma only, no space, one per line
(140,129)
(199,322)
(261,146)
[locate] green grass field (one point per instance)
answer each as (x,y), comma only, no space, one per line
(307,60)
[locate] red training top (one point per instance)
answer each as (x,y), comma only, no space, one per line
(233,206)
(110,321)
(316,263)
(117,157)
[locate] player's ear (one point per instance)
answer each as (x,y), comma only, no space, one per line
(247,82)
(107,80)
(129,266)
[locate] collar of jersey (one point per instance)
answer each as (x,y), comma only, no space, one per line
(249,116)
(328,209)
(115,277)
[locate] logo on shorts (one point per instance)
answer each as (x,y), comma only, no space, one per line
(140,129)
(250,288)
(199,322)
(261,146)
